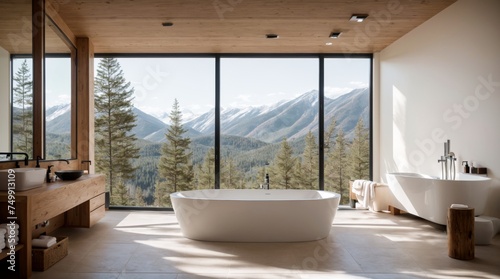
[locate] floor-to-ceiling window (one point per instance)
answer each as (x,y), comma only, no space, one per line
(269,123)
(172,101)
(269,116)
(347,122)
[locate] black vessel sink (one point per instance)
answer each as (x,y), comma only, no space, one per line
(69,174)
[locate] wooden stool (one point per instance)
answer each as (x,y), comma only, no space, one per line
(460,231)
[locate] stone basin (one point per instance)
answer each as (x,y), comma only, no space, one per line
(21,179)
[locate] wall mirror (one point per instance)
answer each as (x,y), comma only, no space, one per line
(60,88)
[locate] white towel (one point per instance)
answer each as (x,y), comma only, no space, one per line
(43,243)
(364,190)
(8,226)
(2,231)
(9,232)
(48,237)
(8,238)
(2,245)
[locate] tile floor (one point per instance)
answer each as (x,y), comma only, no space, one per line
(362,244)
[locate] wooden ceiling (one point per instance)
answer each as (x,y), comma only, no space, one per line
(235,26)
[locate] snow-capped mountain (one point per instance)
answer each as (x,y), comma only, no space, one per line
(286,119)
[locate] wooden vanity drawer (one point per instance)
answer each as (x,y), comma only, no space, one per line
(97,202)
(97,215)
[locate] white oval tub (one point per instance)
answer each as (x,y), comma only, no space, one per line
(430,197)
(246,215)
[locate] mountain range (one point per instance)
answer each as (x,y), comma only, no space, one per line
(291,119)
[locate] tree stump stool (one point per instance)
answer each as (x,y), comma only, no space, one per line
(460,230)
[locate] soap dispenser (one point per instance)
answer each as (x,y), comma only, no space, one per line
(48,176)
(466,166)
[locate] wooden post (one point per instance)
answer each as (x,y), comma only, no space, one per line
(85,103)
(460,231)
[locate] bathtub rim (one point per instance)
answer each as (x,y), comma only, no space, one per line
(460,176)
(324,195)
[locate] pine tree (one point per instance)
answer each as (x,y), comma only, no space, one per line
(337,168)
(284,163)
(310,162)
(175,167)
(162,194)
(359,153)
(298,180)
(22,129)
(121,195)
(329,133)
(207,171)
(115,145)
(139,197)
(231,177)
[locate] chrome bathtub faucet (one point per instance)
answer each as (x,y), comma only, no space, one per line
(448,171)
(265,185)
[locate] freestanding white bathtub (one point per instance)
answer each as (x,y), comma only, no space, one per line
(246,215)
(430,197)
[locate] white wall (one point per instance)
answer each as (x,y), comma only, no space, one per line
(4,100)
(442,81)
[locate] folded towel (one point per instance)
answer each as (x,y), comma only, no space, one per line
(2,231)
(8,238)
(11,232)
(461,206)
(43,243)
(9,226)
(7,244)
(48,237)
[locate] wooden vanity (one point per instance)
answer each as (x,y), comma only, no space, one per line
(81,202)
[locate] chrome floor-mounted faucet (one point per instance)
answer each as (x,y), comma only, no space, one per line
(447,161)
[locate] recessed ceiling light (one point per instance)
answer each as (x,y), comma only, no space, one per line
(329,43)
(335,35)
(167,24)
(272,36)
(358,17)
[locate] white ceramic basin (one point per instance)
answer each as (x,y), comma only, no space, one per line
(22,178)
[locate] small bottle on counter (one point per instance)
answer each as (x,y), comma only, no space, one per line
(466,166)
(48,175)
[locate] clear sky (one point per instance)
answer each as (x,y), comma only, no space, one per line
(57,79)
